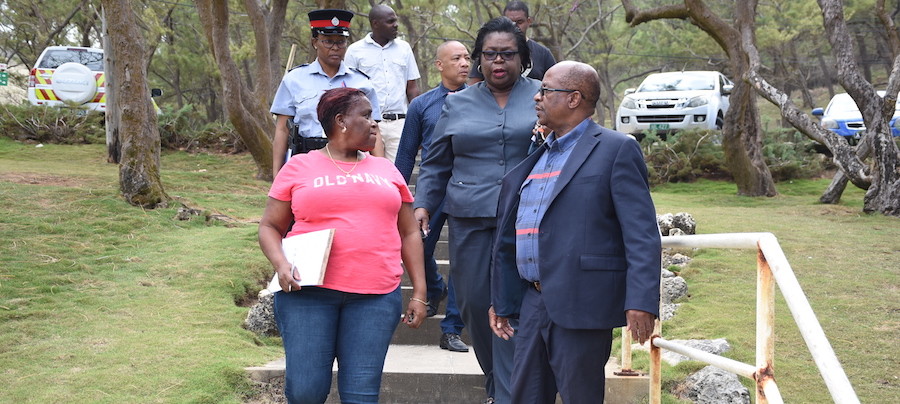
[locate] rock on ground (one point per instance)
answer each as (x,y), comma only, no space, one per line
(681,221)
(261,318)
(712,385)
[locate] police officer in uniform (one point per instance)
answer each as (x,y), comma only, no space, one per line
(297,128)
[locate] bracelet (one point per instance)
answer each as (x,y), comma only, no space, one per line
(413,299)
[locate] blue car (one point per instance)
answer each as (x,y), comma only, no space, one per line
(842,116)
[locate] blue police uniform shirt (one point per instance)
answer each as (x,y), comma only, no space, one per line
(300,90)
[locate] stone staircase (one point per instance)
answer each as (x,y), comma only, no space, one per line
(417,371)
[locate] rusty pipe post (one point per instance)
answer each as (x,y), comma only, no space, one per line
(655,372)
(626,349)
(765,326)
(823,354)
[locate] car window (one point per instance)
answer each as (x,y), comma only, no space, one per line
(679,82)
(54,58)
(723,81)
(841,104)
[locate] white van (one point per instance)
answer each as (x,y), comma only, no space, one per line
(68,75)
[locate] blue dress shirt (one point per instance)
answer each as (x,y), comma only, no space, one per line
(421,118)
(534,198)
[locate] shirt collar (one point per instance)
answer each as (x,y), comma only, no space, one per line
(317,68)
(444,90)
(569,139)
(369,39)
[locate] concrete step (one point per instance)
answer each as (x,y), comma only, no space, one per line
(442,250)
(428,334)
(443,269)
(424,375)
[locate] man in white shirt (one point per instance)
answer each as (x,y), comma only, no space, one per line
(391,66)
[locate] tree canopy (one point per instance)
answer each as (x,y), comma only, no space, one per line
(196,74)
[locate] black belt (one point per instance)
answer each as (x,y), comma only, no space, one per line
(392,117)
(305,144)
(536,285)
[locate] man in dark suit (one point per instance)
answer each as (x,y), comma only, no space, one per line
(578,248)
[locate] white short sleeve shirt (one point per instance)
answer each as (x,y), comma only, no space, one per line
(389,68)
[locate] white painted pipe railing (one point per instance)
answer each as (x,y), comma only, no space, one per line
(772,268)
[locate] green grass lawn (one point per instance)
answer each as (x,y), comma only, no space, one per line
(104,302)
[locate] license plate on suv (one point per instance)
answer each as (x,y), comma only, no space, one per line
(659,126)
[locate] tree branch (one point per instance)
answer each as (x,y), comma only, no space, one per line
(844,156)
(636,16)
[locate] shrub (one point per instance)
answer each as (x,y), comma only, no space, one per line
(686,156)
(791,155)
(24,122)
(178,130)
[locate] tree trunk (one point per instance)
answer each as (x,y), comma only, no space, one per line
(839,182)
(742,134)
(414,39)
(752,175)
(247,111)
(863,60)
(832,194)
(338,4)
(139,178)
(113,143)
(883,183)
(826,73)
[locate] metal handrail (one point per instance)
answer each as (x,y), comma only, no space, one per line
(772,267)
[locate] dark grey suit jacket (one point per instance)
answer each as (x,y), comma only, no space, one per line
(599,243)
(475,143)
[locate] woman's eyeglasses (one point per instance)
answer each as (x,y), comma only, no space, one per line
(545,90)
(506,55)
(328,44)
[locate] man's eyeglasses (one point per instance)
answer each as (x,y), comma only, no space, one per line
(545,90)
(506,55)
(328,44)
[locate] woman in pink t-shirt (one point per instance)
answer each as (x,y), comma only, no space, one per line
(352,316)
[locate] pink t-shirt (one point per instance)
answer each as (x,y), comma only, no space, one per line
(361,207)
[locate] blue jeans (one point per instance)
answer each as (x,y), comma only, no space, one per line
(452,322)
(318,325)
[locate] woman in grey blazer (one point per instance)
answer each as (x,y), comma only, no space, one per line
(483,132)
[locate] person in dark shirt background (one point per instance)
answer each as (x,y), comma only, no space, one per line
(541,57)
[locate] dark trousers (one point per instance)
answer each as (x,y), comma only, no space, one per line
(471,241)
(551,359)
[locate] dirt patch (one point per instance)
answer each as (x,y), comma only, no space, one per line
(41,179)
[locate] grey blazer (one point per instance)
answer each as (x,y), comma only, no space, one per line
(475,143)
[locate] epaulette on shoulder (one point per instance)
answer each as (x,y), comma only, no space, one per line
(298,66)
(360,72)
